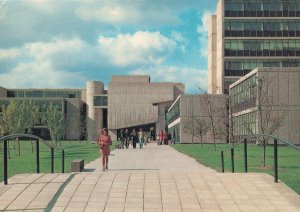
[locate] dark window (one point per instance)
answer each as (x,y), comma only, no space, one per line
(11,94)
(100,100)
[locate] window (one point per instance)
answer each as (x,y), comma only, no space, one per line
(100,100)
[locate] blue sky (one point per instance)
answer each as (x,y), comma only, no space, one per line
(62,44)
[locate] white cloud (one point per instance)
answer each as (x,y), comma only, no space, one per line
(202,30)
(192,78)
(141,48)
(137,12)
(47,64)
(9,53)
(39,75)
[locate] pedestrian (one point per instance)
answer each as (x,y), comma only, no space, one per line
(126,135)
(161,137)
(173,136)
(169,138)
(141,138)
(157,139)
(165,137)
(122,138)
(134,138)
(104,142)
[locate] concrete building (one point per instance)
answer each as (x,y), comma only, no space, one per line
(277,92)
(247,34)
(192,108)
(130,102)
(135,102)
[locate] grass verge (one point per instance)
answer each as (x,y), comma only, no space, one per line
(288,160)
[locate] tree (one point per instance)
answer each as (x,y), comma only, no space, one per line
(54,120)
(211,112)
(269,120)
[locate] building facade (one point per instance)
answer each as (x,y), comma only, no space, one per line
(247,34)
(129,102)
(267,100)
(190,113)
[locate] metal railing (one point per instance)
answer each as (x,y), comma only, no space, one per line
(38,140)
(276,139)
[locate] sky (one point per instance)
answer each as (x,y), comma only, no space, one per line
(63,44)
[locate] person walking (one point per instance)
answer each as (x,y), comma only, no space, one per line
(126,135)
(161,137)
(165,137)
(141,138)
(122,138)
(104,142)
(173,137)
(134,137)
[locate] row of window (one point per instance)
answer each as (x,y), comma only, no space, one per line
(64,94)
(262,28)
(245,124)
(262,8)
(243,91)
(243,67)
(262,48)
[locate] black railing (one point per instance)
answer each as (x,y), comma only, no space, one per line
(245,141)
(38,140)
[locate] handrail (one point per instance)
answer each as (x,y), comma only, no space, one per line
(30,136)
(38,139)
(276,139)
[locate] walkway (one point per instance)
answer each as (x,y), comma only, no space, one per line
(156,178)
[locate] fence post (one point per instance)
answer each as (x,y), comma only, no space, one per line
(38,156)
(52,160)
(245,155)
(275,161)
(5,162)
(63,161)
(222,161)
(232,159)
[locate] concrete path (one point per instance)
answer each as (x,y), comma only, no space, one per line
(156,178)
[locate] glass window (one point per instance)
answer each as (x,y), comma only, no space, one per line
(37,93)
(100,100)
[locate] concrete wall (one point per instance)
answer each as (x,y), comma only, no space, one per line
(3,92)
(212,54)
(220,47)
(73,108)
(195,106)
(133,103)
(94,115)
(284,96)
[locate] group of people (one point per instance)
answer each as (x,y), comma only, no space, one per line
(134,136)
(164,137)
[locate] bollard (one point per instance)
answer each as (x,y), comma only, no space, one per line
(222,161)
(52,160)
(245,155)
(5,162)
(63,161)
(37,156)
(232,159)
(275,161)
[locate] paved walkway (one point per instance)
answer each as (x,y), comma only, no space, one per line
(156,178)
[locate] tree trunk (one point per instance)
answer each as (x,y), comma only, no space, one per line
(201,139)
(19,146)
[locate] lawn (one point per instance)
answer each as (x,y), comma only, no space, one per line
(288,160)
(26,163)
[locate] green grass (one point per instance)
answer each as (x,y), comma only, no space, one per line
(26,163)
(288,160)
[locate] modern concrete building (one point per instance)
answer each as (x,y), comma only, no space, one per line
(135,102)
(277,92)
(192,108)
(130,102)
(247,34)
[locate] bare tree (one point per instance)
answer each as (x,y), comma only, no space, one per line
(269,120)
(196,127)
(211,112)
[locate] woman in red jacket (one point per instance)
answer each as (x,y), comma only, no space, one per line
(104,142)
